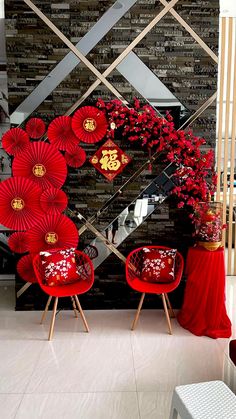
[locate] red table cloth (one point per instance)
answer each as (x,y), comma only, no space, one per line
(203,312)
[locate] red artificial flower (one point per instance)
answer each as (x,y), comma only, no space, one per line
(18,242)
(75,156)
(89,124)
(15,141)
(60,133)
(43,164)
(25,269)
(35,127)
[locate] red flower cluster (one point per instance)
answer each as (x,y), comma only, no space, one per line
(195,176)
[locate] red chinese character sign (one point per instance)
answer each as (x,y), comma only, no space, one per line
(110,160)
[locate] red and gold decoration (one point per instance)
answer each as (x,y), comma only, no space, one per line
(208,224)
(26,270)
(89,124)
(35,127)
(60,133)
(41,163)
(18,242)
(53,201)
(110,160)
(52,231)
(19,203)
(75,156)
(15,141)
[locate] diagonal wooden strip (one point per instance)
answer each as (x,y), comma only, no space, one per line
(199,111)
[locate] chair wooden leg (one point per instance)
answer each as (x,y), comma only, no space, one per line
(166,312)
(172,313)
(138,311)
(74,307)
(53,319)
(82,313)
(46,309)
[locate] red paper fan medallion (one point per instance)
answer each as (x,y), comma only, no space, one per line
(60,133)
(53,231)
(75,157)
(89,124)
(35,127)
(53,201)
(43,164)
(26,270)
(19,203)
(18,242)
(15,140)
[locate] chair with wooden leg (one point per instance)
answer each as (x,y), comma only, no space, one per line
(84,281)
(134,276)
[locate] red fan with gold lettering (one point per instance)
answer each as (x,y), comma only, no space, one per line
(25,269)
(19,203)
(18,242)
(53,201)
(60,133)
(75,156)
(35,127)
(53,231)
(15,140)
(43,164)
(89,124)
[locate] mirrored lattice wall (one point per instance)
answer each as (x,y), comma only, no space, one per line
(173,67)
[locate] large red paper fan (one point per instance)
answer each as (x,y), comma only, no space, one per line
(53,231)
(60,133)
(18,242)
(26,270)
(89,124)
(19,203)
(53,201)
(75,157)
(43,164)
(15,140)
(35,127)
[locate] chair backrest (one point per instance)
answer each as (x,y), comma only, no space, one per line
(134,262)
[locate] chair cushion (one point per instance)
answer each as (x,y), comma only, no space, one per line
(59,267)
(158,265)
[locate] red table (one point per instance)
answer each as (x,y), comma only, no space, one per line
(203,312)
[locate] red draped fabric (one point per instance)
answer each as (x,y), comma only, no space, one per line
(203,312)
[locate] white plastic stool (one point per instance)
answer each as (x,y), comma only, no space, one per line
(209,400)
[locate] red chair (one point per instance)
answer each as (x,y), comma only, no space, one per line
(134,263)
(86,278)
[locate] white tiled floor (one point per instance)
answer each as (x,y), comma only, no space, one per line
(110,373)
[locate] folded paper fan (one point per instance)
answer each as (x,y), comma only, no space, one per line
(35,127)
(15,140)
(26,270)
(52,231)
(43,164)
(75,157)
(53,201)
(60,133)
(18,242)
(19,203)
(89,124)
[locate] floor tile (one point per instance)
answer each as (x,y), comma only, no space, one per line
(79,405)
(84,365)
(9,404)
(154,405)
(18,360)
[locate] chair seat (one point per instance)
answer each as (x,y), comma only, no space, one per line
(151,287)
(67,290)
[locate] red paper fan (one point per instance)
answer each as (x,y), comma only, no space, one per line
(75,157)
(35,127)
(41,163)
(19,203)
(52,231)
(26,270)
(53,201)
(60,133)
(18,242)
(15,140)
(89,124)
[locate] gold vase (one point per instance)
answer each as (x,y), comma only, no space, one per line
(210,245)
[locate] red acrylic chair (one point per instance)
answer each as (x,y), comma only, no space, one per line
(85,281)
(133,273)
